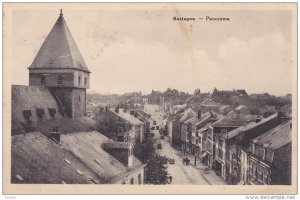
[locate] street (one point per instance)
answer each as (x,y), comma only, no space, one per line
(181,173)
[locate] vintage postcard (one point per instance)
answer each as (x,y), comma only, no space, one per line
(150,98)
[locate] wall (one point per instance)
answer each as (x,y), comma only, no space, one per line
(69,77)
(79,102)
(133,175)
(281,173)
(261,167)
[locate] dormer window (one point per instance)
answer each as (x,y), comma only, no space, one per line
(79,80)
(43,80)
(59,80)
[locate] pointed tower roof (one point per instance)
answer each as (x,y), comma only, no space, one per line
(59,50)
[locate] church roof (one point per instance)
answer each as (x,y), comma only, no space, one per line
(59,50)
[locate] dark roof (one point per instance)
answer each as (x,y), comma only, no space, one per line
(78,158)
(127,116)
(186,115)
(234,120)
(247,127)
(40,160)
(66,125)
(117,145)
(31,98)
(276,137)
(59,50)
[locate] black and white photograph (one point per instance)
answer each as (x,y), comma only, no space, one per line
(196,97)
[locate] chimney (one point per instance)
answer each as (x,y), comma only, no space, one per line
(55,134)
(106,109)
(199,114)
(279,118)
(258,119)
(132,112)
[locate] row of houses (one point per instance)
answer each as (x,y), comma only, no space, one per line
(241,148)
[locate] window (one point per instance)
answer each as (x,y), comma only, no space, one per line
(59,80)
(43,80)
(85,80)
(262,176)
(131,181)
(140,179)
(264,153)
(79,80)
(256,174)
(79,99)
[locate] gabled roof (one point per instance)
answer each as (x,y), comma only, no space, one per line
(247,127)
(276,137)
(59,50)
(127,116)
(78,158)
(117,145)
(187,114)
(38,159)
(234,120)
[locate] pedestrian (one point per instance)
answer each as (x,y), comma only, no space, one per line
(170,177)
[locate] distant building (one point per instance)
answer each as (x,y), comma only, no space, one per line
(190,138)
(270,158)
(143,117)
(120,125)
(230,96)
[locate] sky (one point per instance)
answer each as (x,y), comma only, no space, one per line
(142,48)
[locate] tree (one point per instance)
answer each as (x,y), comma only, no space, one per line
(156,170)
(156,165)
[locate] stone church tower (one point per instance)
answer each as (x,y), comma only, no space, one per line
(60,67)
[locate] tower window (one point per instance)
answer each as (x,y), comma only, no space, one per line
(79,80)
(43,80)
(59,80)
(85,80)
(79,98)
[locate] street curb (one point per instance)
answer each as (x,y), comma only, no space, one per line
(205,179)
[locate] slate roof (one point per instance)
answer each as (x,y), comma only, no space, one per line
(59,50)
(127,116)
(117,145)
(31,98)
(186,115)
(276,137)
(247,127)
(78,158)
(234,120)
(66,125)
(40,160)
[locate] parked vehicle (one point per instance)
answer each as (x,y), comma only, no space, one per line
(159,146)
(172,161)
(186,161)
